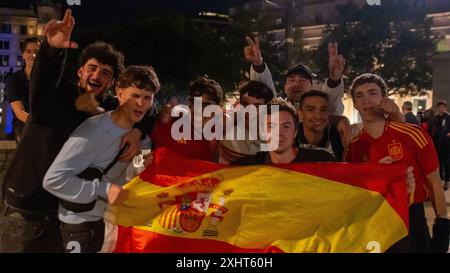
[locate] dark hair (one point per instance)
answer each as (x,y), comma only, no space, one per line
(142,77)
(313,93)
(258,90)
(29,40)
(283,106)
(428,115)
(105,54)
(368,78)
(429,118)
(407,105)
(203,85)
(442,102)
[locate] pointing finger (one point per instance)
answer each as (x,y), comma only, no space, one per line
(67,16)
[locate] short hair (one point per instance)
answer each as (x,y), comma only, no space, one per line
(142,77)
(313,93)
(105,54)
(258,90)
(408,105)
(368,78)
(442,102)
(210,87)
(29,40)
(283,106)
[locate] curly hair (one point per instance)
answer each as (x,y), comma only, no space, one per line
(105,54)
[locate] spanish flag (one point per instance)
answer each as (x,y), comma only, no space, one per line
(183,205)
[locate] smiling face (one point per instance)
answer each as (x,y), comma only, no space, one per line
(283,124)
(296,86)
(314,113)
(134,102)
(95,77)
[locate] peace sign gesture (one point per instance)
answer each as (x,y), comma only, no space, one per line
(336,63)
(58,32)
(252,53)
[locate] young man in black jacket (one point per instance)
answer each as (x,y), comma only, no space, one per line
(57,108)
(441,140)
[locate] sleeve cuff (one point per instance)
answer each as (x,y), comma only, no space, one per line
(103,189)
(50,51)
(259,68)
(333,84)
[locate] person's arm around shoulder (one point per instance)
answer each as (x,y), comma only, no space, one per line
(78,153)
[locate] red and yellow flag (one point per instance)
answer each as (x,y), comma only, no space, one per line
(184,205)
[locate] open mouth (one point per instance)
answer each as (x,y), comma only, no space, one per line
(93,85)
(139,113)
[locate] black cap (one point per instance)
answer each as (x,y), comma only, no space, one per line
(302,70)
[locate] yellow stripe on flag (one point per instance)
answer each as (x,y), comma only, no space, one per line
(261,206)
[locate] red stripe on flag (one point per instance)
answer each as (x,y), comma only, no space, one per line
(142,241)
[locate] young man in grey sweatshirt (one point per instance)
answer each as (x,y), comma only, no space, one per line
(95,144)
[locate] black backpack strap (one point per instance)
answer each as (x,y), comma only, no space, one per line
(90,174)
(115,160)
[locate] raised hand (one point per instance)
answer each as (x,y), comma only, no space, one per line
(252,52)
(336,62)
(58,32)
(388,106)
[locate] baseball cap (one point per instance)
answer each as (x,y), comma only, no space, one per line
(302,70)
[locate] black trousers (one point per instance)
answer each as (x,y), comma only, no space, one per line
(444,162)
(418,239)
(86,237)
(29,232)
(17,129)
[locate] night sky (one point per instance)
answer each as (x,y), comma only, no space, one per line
(120,11)
(180,4)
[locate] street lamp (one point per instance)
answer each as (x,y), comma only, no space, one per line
(289,7)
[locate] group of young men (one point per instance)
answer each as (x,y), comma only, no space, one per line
(74,150)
